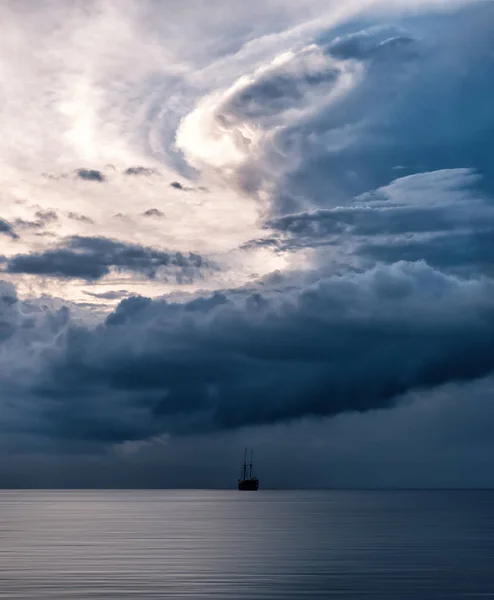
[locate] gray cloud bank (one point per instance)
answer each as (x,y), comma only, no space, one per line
(332,119)
(92,258)
(347,343)
(444,218)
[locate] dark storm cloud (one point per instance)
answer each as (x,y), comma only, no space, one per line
(6,228)
(8,300)
(441,217)
(307,104)
(441,201)
(287,84)
(339,118)
(90,175)
(417,96)
(92,258)
(429,107)
(473,251)
(345,343)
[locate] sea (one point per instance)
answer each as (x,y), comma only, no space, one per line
(348,545)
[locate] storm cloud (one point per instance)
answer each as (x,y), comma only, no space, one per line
(347,343)
(92,258)
(444,218)
(324,122)
(335,268)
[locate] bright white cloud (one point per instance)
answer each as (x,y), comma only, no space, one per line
(113,85)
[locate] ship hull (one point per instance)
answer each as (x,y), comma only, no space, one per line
(248,485)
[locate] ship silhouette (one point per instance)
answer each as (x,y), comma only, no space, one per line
(248,482)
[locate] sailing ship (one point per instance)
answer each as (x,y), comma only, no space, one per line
(248,482)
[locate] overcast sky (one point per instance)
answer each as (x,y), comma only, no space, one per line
(266,223)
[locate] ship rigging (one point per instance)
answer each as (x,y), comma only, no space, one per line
(248,481)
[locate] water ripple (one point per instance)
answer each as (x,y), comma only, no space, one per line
(200,544)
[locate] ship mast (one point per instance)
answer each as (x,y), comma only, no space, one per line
(249,481)
(244,474)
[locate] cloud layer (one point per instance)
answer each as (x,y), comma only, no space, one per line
(254,216)
(347,343)
(92,258)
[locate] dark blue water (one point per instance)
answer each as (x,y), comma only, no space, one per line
(200,544)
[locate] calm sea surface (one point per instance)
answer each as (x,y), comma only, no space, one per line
(201,544)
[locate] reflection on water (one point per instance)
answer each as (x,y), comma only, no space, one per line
(200,544)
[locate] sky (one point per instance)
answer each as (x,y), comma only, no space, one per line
(267,224)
